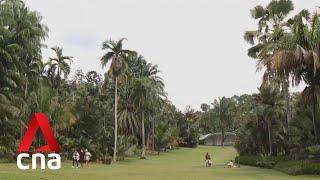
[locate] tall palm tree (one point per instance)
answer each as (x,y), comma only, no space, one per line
(57,70)
(266,39)
(115,54)
(302,58)
(147,92)
(142,92)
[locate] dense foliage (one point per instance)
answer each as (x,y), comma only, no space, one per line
(275,122)
(124,112)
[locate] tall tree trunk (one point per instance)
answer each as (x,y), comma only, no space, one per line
(314,116)
(20,130)
(287,99)
(143,153)
(55,121)
(148,142)
(222,135)
(286,93)
(115,122)
(153,134)
(104,121)
(25,96)
(270,141)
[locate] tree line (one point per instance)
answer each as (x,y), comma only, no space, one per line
(275,121)
(122,112)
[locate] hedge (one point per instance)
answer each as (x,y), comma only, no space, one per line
(299,167)
(281,163)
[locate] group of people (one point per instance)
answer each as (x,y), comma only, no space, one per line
(81,157)
(209,162)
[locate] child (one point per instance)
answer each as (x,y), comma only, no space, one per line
(87,156)
(75,158)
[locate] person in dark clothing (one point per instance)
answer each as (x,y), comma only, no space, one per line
(208,160)
(81,157)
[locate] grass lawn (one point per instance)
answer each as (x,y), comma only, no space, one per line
(184,163)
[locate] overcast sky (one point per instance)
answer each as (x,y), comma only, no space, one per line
(197,44)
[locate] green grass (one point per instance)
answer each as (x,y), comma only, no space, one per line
(179,164)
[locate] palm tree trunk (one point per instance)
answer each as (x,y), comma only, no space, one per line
(288,112)
(222,136)
(115,122)
(143,153)
(270,142)
(287,97)
(148,142)
(20,130)
(152,134)
(314,117)
(55,121)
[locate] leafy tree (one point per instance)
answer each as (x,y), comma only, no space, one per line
(224,108)
(164,136)
(22,35)
(189,128)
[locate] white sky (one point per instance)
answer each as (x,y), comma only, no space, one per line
(197,44)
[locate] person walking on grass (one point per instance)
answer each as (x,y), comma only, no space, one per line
(75,158)
(81,158)
(87,156)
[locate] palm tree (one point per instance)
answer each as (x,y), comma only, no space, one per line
(22,34)
(224,109)
(266,39)
(58,69)
(157,94)
(147,92)
(302,58)
(268,109)
(141,94)
(115,53)
(127,116)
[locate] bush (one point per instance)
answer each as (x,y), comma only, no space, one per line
(314,151)
(257,160)
(281,163)
(189,136)
(126,146)
(299,167)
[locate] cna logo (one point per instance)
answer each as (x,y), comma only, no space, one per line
(39,120)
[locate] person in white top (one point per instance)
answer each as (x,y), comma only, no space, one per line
(87,156)
(75,159)
(231,164)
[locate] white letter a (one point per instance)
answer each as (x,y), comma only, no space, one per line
(56,160)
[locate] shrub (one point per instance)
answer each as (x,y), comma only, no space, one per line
(257,160)
(314,151)
(189,136)
(281,163)
(298,167)
(126,146)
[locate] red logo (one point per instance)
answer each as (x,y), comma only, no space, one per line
(39,120)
